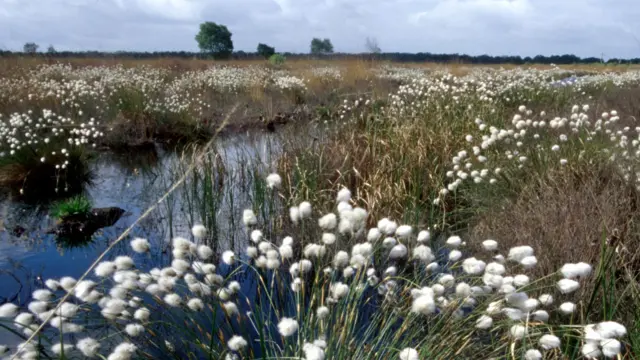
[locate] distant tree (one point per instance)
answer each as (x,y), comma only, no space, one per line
(321,46)
(371,44)
(51,50)
(215,39)
(265,50)
(30,48)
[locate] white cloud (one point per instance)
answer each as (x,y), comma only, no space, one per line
(524,27)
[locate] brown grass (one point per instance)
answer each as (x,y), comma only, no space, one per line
(564,217)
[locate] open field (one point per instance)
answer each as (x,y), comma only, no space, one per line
(320,210)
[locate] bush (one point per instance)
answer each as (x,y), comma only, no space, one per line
(276,59)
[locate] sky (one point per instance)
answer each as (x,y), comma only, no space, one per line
(494,27)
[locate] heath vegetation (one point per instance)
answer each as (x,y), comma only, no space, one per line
(385,212)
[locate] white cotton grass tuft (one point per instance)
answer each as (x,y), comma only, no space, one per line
(567,286)
(591,350)
(423,236)
(142,314)
(305,209)
(8,310)
(228,257)
(322,312)
(548,342)
(173,300)
(610,347)
(344,195)
(404,231)
(454,241)
(52,284)
(256,236)
(423,304)
(287,327)
(573,271)
(67,282)
(274,181)
(567,308)
(195,304)
(610,329)
(484,322)
(490,245)
(529,262)
(409,354)
(124,351)
(328,222)
(122,263)
(237,343)
(518,331)
(546,299)
(314,351)
(294,214)
(88,347)
(134,330)
(249,217)
(199,231)
(42,295)
(517,253)
(398,252)
(532,354)
(455,255)
(140,245)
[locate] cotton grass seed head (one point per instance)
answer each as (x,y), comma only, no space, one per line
(237,343)
(287,327)
(199,231)
(548,342)
(140,245)
(533,354)
(409,354)
(274,181)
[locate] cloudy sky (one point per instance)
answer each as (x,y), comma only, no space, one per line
(509,27)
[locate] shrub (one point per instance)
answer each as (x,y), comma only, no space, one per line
(277,59)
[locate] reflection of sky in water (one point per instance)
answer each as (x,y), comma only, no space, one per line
(118,184)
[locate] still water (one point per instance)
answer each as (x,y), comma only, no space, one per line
(133,182)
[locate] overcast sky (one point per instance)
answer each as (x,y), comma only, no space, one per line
(495,27)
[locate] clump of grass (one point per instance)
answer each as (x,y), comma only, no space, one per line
(76,206)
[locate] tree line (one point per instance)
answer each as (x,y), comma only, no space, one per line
(214,41)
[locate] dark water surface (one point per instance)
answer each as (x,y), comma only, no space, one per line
(132,182)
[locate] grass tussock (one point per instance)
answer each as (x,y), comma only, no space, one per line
(75,206)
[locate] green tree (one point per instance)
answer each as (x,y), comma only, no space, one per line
(265,50)
(30,48)
(321,46)
(51,50)
(215,39)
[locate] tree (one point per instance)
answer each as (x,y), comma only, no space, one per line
(321,46)
(215,39)
(372,46)
(51,50)
(265,50)
(30,48)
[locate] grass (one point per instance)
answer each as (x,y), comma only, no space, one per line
(75,206)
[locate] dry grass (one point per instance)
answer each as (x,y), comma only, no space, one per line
(564,216)
(395,167)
